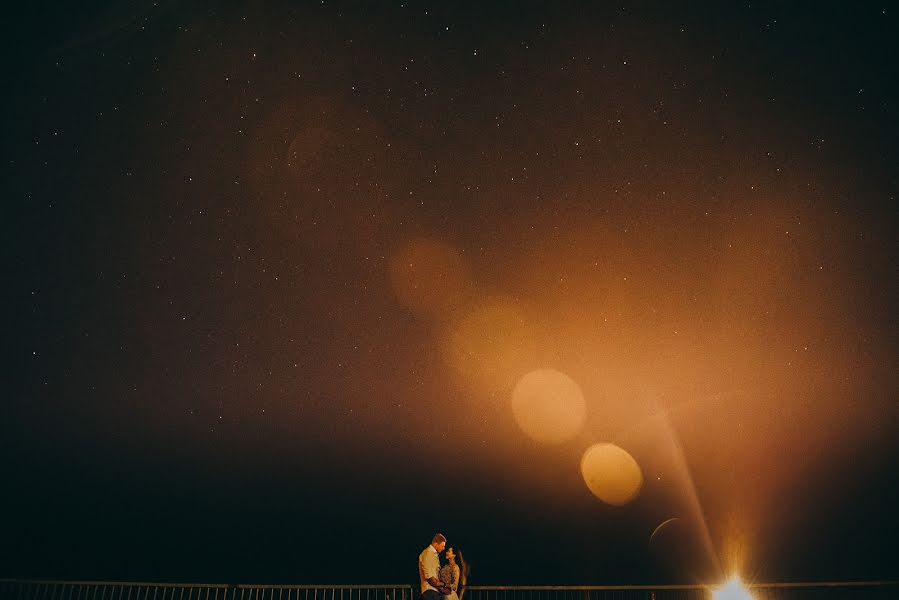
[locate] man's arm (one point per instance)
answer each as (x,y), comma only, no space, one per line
(429,570)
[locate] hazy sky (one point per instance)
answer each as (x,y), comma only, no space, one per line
(277,275)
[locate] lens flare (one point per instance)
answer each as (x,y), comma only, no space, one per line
(492,345)
(611,474)
(429,277)
(733,589)
(548,406)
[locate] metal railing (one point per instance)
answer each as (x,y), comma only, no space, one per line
(30,589)
(865,590)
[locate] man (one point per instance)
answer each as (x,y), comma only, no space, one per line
(428,567)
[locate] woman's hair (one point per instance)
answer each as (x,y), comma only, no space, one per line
(463,572)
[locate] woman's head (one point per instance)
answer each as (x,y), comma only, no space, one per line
(450,555)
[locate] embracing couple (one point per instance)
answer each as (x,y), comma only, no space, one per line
(441,583)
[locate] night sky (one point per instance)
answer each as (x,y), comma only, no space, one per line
(292,286)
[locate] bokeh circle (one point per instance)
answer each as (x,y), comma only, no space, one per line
(548,406)
(611,474)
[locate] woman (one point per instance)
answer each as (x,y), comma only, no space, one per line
(453,576)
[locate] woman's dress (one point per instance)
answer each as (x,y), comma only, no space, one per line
(449,576)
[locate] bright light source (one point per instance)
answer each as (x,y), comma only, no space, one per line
(733,589)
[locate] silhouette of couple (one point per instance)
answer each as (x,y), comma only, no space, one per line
(441,583)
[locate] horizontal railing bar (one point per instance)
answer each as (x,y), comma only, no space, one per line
(129,583)
(381,586)
(306,586)
(373,586)
(807,584)
(578,588)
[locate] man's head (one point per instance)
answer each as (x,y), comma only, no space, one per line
(439,542)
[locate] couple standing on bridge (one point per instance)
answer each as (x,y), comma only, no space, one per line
(441,583)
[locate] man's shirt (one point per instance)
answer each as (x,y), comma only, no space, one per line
(428,565)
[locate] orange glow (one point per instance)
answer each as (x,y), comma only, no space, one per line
(492,345)
(611,474)
(733,589)
(683,543)
(429,277)
(548,406)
